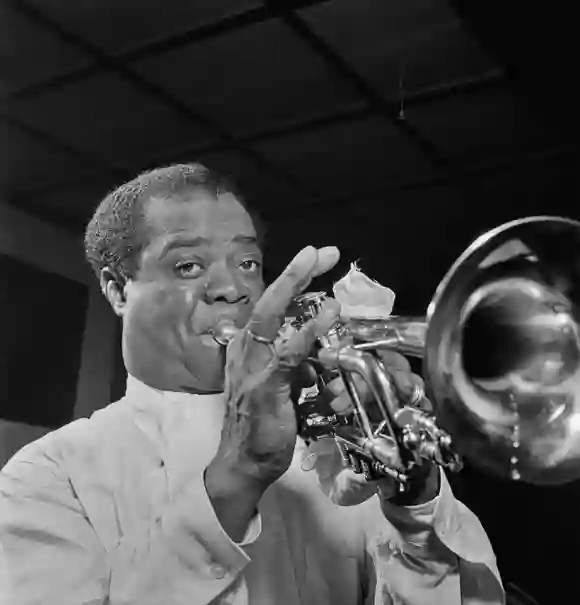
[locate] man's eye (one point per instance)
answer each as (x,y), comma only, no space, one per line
(189,269)
(250,266)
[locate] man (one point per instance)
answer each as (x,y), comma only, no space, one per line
(190,489)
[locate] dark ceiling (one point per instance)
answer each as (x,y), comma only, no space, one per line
(390,128)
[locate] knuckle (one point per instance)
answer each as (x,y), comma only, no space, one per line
(404,380)
(293,278)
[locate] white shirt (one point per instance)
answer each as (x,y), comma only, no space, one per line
(113,510)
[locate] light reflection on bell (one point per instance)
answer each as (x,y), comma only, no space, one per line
(501,355)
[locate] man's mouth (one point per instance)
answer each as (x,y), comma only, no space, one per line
(224,330)
(220,332)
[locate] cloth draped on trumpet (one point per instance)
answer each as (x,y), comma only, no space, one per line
(113,509)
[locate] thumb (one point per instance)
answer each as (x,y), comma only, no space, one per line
(292,352)
(349,488)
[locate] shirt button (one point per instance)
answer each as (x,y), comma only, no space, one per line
(217,571)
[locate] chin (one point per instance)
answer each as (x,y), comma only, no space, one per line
(196,368)
(204,366)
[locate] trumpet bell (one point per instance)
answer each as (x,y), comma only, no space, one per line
(502,351)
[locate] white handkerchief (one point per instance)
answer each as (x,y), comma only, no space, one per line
(362,297)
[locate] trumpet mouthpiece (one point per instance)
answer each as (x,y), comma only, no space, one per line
(224,333)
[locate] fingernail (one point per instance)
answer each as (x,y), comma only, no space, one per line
(305,254)
(329,252)
(328,316)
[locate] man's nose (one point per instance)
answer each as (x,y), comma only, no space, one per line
(224,285)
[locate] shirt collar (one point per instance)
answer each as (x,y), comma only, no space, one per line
(180,425)
(175,409)
(142,394)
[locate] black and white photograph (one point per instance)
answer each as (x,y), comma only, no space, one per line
(289,302)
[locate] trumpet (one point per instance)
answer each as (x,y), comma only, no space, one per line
(500,349)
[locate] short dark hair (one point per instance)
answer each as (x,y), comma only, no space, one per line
(114,236)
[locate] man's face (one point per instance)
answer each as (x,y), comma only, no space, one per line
(201,265)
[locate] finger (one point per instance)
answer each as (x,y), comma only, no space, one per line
(341,402)
(334,388)
(295,350)
(394,360)
(338,396)
(408,386)
(270,309)
(425,405)
(406,382)
(327,258)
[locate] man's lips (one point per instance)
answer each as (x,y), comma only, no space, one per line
(222,329)
(216,323)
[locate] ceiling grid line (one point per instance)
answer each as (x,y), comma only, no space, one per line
(454,172)
(491,81)
(206,31)
(163,96)
(465,116)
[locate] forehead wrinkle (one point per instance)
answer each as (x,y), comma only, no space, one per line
(222,219)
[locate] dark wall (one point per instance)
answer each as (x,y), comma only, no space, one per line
(42,320)
(537,44)
(535,532)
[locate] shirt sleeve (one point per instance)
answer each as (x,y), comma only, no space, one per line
(50,552)
(253,532)
(436,552)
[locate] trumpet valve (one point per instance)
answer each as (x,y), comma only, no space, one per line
(385,450)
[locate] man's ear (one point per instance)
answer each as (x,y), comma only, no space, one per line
(113,287)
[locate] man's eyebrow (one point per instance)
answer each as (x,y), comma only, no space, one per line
(245,239)
(196,242)
(183,242)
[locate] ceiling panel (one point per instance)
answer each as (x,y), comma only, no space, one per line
(250,80)
(118,25)
(105,114)
(258,185)
(356,158)
(492,126)
(418,40)
(28,53)
(29,164)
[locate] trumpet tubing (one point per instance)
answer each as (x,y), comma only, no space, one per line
(501,361)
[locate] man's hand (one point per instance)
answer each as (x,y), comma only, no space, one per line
(259,432)
(353,488)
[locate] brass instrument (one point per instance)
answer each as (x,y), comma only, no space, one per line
(501,363)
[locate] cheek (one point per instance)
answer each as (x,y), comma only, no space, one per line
(159,340)
(161,315)
(255,287)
